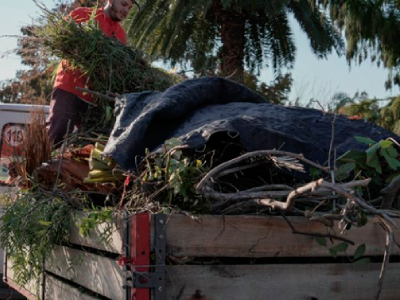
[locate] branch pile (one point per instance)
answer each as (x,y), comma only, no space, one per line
(111,66)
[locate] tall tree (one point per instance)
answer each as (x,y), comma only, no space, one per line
(372,29)
(230,35)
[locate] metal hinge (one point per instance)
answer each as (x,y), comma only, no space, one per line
(156,279)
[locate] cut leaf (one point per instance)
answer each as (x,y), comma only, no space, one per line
(44,223)
(372,152)
(362,261)
(364,140)
(341,247)
(392,152)
(355,156)
(385,144)
(344,171)
(393,163)
(333,253)
(374,163)
(321,241)
(359,251)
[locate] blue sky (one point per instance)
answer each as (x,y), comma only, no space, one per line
(313,78)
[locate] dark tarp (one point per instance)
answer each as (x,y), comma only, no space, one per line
(196,109)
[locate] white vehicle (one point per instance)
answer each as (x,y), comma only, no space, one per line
(13,120)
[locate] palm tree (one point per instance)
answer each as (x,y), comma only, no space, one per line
(371,29)
(228,35)
(339,100)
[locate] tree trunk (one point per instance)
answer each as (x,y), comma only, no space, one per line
(232,28)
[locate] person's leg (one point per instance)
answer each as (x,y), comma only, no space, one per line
(66,112)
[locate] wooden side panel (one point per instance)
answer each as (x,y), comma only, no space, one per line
(260,236)
(30,290)
(289,282)
(57,290)
(99,274)
(96,238)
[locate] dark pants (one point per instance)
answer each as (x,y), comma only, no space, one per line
(66,112)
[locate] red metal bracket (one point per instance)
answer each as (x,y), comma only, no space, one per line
(140,251)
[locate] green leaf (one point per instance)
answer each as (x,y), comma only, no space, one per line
(372,152)
(333,253)
(341,247)
(321,241)
(385,144)
(392,162)
(359,251)
(362,219)
(177,154)
(172,177)
(374,163)
(355,156)
(198,163)
(364,140)
(44,223)
(392,152)
(42,232)
(344,171)
(362,261)
(315,173)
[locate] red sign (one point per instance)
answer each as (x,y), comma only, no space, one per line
(12,137)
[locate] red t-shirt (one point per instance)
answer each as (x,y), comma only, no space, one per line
(68,79)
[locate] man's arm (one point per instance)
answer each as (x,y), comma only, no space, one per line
(81,14)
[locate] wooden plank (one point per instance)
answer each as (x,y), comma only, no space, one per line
(96,238)
(20,290)
(289,282)
(30,290)
(57,290)
(99,274)
(260,236)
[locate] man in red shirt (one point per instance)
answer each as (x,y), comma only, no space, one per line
(68,105)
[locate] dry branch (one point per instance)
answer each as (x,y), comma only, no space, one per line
(327,235)
(386,214)
(389,193)
(266,153)
(388,248)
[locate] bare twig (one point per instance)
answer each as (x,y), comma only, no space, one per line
(238,169)
(268,198)
(327,235)
(292,196)
(360,202)
(189,215)
(226,165)
(269,187)
(388,248)
(326,219)
(96,94)
(331,148)
(394,141)
(389,193)
(332,169)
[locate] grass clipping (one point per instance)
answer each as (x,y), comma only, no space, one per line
(109,65)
